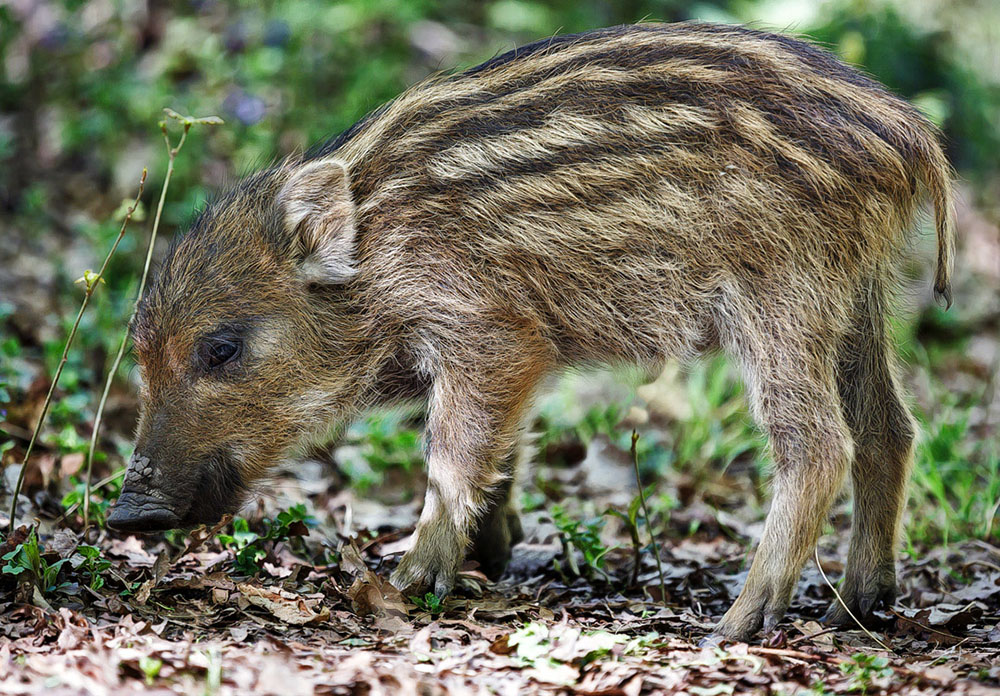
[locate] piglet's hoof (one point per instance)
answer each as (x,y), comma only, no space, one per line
(712,640)
(498,532)
(431,565)
(863,606)
(413,580)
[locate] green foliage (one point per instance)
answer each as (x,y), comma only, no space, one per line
(925,67)
(583,536)
(534,643)
(381,442)
(93,565)
(27,562)
(631,519)
(955,490)
(252,548)
(718,430)
(177,538)
(248,546)
(430,603)
(818,688)
(556,431)
(70,410)
(865,669)
(291,522)
(150,667)
(531,643)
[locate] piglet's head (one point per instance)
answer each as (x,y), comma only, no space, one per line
(247,343)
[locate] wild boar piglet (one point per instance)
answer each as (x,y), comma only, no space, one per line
(630,194)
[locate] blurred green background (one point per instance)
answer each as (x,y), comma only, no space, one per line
(83,84)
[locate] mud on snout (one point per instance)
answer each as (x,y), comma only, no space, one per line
(158,496)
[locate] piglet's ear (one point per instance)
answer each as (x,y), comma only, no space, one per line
(319,212)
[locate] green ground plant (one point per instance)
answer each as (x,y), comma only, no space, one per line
(93,565)
(100,500)
(864,669)
(583,536)
(252,547)
(430,603)
(382,442)
(955,487)
(719,429)
(27,562)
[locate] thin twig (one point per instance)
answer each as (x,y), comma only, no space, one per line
(844,604)
(923,626)
(171,155)
(91,282)
(172,151)
(817,634)
(985,564)
(649,524)
(96,487)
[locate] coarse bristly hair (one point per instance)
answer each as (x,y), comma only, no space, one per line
(628,194)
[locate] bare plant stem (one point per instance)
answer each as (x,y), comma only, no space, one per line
(840,599)
(96,487)
(649,525)
(171,155)
(91,281)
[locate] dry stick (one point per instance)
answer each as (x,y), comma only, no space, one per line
(91,281)
(844,604)
(811,636)
(649,524)
(171,155)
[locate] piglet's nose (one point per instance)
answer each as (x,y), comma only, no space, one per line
(139,471)
(137,512)
(139,508)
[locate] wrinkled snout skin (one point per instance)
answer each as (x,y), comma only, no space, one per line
(628,195)
(143,506)
(166,496)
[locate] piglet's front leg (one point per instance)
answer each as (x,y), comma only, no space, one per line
(442,538)
(473,427)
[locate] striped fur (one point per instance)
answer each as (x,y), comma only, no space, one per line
(625,195)
(775,107)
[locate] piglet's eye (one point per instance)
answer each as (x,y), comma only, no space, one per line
(216,351)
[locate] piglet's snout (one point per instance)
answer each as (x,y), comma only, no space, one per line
(142,507)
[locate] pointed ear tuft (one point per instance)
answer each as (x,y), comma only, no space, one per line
(318,211)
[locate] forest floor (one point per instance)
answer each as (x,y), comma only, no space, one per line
(292,597)
(319,616)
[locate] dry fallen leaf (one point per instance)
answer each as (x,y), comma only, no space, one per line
(160,567)
(372,595)
(283,605)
